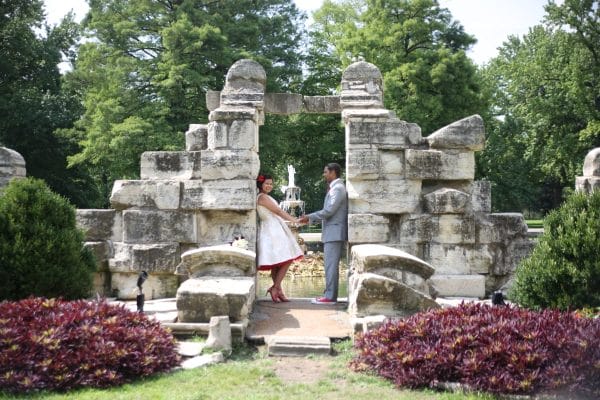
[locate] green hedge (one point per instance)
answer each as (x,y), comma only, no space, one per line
(563,271)
(41,250)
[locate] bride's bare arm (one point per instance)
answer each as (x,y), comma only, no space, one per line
(265,201)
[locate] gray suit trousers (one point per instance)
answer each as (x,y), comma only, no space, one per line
(333,254)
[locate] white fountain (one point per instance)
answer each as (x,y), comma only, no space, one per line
(292,203)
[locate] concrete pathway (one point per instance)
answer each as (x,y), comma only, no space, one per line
(298,318)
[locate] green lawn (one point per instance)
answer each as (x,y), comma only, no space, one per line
(250,374)
(535,223)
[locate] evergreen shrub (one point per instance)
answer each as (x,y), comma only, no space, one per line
(41,249)
(60,345)
(498,349)
(563,270)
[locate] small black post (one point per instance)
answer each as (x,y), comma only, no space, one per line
(140,297)
(498,299)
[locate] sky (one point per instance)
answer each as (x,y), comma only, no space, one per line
(490,21)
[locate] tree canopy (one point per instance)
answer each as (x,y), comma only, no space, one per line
(33,101)
(547,93)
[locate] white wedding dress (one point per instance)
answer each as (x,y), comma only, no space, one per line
(276,244)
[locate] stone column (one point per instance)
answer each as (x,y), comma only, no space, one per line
(590,180)
(12,165)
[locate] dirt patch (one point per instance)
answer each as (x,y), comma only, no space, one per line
(300,369)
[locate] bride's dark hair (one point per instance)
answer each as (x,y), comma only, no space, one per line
(261,179)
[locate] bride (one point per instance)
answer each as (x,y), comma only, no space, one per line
(277,247)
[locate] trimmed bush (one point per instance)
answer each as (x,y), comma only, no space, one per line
(41,250)
(61,345)
(487,348)
(563,270)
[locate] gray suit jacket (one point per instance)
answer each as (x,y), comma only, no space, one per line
(334,215)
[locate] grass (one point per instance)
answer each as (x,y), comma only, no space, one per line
(535,223)
(250,374)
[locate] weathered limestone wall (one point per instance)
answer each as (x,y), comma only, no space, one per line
(418,194)
(203,196)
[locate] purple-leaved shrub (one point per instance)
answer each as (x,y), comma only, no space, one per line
(49,344)
(487,348)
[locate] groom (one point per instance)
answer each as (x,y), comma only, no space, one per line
(334,217)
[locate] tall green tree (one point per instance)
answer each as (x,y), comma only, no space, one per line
(419,49)
(547,91)
(33,99)
(145,72)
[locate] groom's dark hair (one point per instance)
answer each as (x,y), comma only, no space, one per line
(335,167)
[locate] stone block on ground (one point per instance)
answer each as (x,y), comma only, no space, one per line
(102,250)
(297,346)
(178,165)
(222,260)
(371,294)
(203,360)
(467,133)
(377,258)
(219,335)
(365,324)
(459,285)
(199,299)
(190,349)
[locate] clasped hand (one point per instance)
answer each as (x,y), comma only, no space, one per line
(302,220)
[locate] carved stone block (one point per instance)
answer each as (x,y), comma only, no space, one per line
(146,226)
(159,194)
(173,165)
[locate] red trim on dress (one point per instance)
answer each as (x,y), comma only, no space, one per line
(269,267)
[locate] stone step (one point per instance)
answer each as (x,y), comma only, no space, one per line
(238,329)
(297,346)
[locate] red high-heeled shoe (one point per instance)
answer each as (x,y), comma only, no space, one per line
(274,296)
(281,296)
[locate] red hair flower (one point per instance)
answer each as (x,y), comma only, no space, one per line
(260,179)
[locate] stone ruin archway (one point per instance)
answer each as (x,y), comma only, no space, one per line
(406,192)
